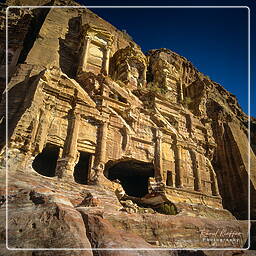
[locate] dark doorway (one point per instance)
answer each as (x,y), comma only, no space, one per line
(81,168)
(45,162)
(133,176)
(169,179)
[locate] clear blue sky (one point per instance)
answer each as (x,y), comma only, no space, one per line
(214,40)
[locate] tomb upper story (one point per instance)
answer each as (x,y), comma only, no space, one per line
(95,50)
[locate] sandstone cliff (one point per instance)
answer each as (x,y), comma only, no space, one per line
(110,147)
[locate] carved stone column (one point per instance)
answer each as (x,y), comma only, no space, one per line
(126,145)
(106,61)
(179,167)
(103,131)
(41,129)
(214,182)
(59,163)
(191,125)
(181,90)
(70,153)
(83,62)
(215,188)
(144,76)
(35,124)
(158,155)
(97,175)
(198,180)
(90,169)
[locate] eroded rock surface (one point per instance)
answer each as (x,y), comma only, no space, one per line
(46,212)
(112,147)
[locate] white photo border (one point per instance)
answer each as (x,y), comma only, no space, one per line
(249,112)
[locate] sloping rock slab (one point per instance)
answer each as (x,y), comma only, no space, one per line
(103,235)
(39,221)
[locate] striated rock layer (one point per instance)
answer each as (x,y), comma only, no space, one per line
(109,147)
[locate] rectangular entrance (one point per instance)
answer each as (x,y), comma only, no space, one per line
(81,170)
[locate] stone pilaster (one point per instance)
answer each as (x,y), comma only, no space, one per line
(215,188)
(41,129)
(144,76)
(198,180)
(126,145)
(181,91)
(70,154)
(103,132)
(97,175)
(106,60)
(35,124)
(191,125)
(158,155)
(83,62)
(59,163)
(90,169)
(179,167)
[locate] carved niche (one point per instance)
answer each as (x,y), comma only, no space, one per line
(95,50)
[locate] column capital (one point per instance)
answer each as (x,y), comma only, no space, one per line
(179,144)
(88,38)
(108,47)
(104,122)
(158,133)
(75,114)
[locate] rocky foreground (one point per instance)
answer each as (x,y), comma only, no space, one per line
(87,106)
(48,213)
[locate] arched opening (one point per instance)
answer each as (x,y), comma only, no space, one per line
(45,162)
(81,168)
(133,176)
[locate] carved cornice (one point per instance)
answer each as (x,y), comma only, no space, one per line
(91,31)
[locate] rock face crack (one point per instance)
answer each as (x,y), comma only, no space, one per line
(88,232)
